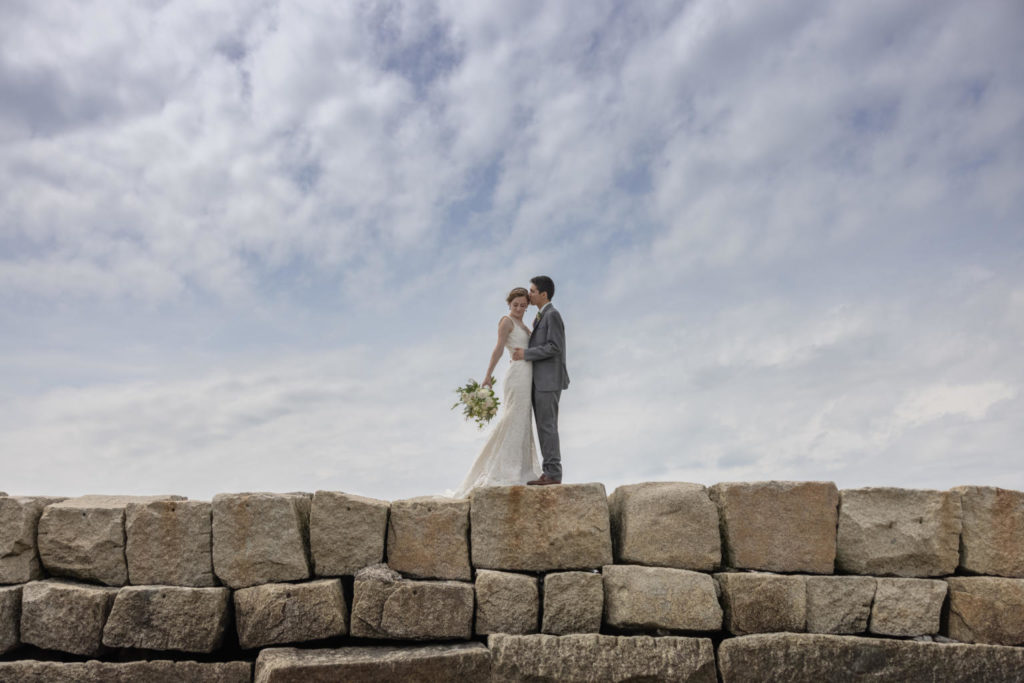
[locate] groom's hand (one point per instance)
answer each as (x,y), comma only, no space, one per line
(517,354)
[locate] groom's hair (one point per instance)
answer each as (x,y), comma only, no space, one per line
(544,284)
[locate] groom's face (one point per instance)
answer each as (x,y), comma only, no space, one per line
(534,295)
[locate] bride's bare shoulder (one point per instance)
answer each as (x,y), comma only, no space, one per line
(505,323)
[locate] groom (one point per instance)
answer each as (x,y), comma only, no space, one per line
(547,352)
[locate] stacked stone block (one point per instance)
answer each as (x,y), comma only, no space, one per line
(665,524)
(428,538)
(169,542)
(19,524)
(778,526)
(506,602)
(898,532)
(660,599)
(563,583)
(260,538)
(65,616)
(281,613)
(346,532)
(573,603)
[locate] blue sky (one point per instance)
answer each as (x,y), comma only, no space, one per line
(255,246)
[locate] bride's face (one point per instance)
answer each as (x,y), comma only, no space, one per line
(518,307)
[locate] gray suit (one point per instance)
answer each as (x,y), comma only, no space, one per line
(550,377)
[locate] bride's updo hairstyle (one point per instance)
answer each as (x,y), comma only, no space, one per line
(516,293)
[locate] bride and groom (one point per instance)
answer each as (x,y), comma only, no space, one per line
(535,379)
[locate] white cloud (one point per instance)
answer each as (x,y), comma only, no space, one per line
(971,401)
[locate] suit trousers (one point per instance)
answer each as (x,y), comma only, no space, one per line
(545,411)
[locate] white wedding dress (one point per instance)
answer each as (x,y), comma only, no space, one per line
(509,457)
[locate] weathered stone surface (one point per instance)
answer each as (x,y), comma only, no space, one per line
(839,604)
(260,538)
(10,617)
(169,542)
(428,538)
(278,613)
(813,658)
(384,605)
(763,603)
(582,658)
(540,528)
(346,532)
(992,540)
(573,603)
(168,618)
(83,538)
(778,526)
(19,521)
(986,610)
(458,663)
(665,524)
(907,607)
(898,532)
(638,597)
(506,602)
(66,616)
(159,671)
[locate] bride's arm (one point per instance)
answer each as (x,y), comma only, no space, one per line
(505,326)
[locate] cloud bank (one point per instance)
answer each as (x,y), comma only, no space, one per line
(255,246)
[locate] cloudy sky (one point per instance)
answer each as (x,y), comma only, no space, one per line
(256,245)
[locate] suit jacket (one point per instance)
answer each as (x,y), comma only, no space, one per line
(547,352)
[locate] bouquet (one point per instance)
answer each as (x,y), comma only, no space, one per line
(478,403)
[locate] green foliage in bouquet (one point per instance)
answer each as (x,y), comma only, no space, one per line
(478,403)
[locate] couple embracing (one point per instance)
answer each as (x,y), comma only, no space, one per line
(533,385)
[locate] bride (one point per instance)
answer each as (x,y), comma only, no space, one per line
(509,456)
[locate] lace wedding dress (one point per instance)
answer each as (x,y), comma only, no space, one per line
(509,456)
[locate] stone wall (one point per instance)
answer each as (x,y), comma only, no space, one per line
(794,581)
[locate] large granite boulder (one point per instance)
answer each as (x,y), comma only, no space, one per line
(277,613)
(540,528)
(169,542)
(992,540)
(587,657)
(757,602)
(573,603)
(168,618)
(159,671)
(10,618)
(455,663)
(985,609)
(665,524)
(260,538)
(813,658)
(898,532)
(506,602)
(346,532)
(907,607)
(384,605)
(778,526)
(83,538)
(646,598)
(66,616)
(839,604)
(19,522)
(428,538)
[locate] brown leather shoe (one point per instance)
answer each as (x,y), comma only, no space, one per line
(543,481)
